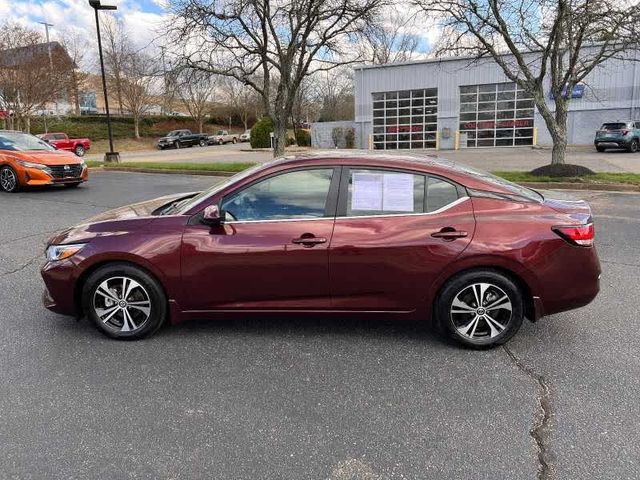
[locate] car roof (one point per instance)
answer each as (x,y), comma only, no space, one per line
(421,162)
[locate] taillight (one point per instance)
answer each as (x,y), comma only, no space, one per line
(582,235)
(624,131)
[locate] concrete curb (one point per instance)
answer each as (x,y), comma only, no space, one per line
(208,173)
(607,187)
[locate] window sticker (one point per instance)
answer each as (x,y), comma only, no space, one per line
(367,192)
(397,193)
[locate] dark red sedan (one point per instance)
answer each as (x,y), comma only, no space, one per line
(400,236)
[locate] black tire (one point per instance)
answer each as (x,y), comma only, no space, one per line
(79,151)
(600,149)
(633,146)
(220,142)
(9,180)
(114,326)
(202,143)
(454,319)
(72,185)
(176,144)
(235,140)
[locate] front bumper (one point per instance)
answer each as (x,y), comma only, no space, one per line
(59,294)
(34,177)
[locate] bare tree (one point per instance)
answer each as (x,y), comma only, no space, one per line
(28,80)
(546,42)
(196,91)
(242,99)
(76,48)
(334,95)
(139,76)
(270,45)
(117,49)
(394,39)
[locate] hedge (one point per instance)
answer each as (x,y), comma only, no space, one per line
(261,133)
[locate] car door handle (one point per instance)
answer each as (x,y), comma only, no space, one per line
(309,241)
(449,233)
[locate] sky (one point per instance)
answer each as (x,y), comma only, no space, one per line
(142,18)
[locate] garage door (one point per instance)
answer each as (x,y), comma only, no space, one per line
(406,119)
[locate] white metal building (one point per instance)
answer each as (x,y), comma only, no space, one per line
(464,103)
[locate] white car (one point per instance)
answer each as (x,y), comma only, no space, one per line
(246,136)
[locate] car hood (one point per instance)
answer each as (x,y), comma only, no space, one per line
(117,221)
(57,157)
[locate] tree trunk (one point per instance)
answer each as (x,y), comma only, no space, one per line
(200,125)
(280,135)
(136,126)
(560,134)
(27,124)
(75,92)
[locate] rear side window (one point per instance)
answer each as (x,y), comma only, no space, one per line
(614,126)
(382,192)
(440,193)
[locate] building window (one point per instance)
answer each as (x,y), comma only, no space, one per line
(496,115)
(405,120)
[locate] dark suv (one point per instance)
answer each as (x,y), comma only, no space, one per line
(618,135)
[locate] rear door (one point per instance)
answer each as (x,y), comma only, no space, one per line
(394,233)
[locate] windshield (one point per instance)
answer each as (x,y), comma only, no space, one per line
(614,126)
(21,142)
(189,203)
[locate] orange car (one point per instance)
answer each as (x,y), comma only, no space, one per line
(26,160)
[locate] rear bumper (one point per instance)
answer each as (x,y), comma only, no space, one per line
(571,281)
(612,142)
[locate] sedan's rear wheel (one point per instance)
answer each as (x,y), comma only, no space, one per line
(481,308)
(9,180)
(633,146)
(124,302)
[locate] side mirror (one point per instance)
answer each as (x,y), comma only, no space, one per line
(211,215)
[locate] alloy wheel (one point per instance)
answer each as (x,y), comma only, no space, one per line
(80,151)
(480,311)
(122,304)
(8,179)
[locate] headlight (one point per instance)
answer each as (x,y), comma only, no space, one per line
(60,252)
(39,166)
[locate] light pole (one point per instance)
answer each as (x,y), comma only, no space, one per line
(46,29)
(110,156)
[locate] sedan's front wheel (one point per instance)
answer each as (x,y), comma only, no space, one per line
(124,302)
(9,180)
(480,308)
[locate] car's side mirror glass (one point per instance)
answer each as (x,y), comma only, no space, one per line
(211,215)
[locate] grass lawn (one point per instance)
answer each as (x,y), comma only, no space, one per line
(524,177)
(203,167)
(124,145)
(517,177)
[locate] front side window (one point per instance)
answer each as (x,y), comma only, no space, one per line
(294,195)
(379,192)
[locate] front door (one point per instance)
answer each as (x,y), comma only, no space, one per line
(271,251)
(394,233)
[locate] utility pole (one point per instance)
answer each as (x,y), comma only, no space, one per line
(110,156)
(166,87)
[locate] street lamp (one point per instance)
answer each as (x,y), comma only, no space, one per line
(110,156)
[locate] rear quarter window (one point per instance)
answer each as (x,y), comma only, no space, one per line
(440,193)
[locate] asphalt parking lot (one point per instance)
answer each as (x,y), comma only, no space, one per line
(311,398)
